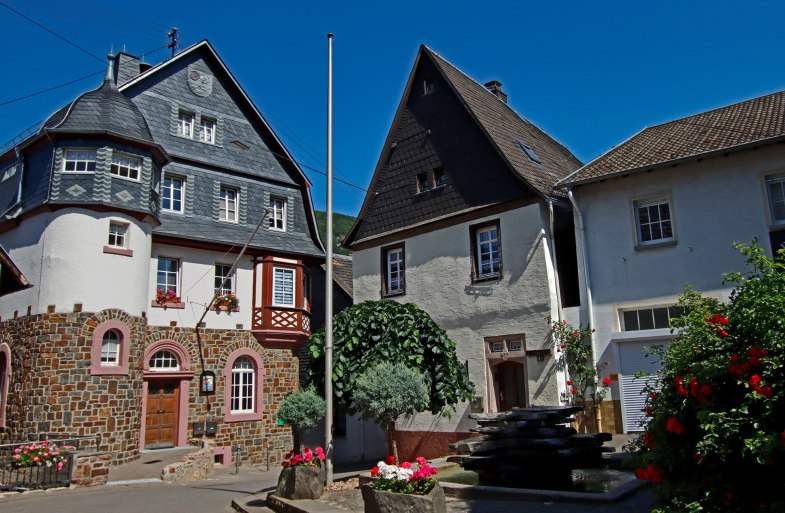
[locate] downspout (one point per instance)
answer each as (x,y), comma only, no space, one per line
(585,264)
(559,310)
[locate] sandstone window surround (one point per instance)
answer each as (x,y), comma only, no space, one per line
(5,378)
(243,386)
(111,341)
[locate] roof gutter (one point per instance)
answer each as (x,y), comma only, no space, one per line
(585,265)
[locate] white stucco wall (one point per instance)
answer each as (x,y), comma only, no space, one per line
(713,203)
(61,254)
(438,280)
(196,288)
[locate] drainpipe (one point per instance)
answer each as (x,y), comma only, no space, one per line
(585,265)
(559,310)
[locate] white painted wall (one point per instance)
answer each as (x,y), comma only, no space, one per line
(61,254)
(713,203)
(438,280)
(197,278)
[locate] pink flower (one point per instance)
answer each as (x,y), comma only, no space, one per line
(406,465)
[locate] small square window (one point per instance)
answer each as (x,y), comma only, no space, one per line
(227,210)
(654,224)
(79,161)
(118,234)
(277,214)
(427,86)
(126,166)
(423,183)
(516,345)
(497,347)
(185,124)
(439,177)
(208,130)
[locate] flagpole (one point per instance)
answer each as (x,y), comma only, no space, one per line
(328,304)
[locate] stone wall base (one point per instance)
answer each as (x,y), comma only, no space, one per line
(91,469)
(195,466)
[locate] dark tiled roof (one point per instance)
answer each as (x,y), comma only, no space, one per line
(342,273)
(102,110)
(503,125)
(721,129)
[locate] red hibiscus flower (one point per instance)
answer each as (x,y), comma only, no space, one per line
(674,426)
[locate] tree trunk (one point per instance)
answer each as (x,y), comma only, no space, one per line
(298,436)
(392,442)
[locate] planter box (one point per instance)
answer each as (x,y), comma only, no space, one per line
(377,501)
(298,483)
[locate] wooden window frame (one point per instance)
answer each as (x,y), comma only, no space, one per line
(474,231)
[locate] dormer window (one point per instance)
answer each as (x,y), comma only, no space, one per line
(185,124)
(208,131)
(439,177)
(427,86)
(423,183)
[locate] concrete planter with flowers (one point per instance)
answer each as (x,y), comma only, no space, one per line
(303,476)
(404,487)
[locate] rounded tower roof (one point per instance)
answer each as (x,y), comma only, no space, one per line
(104,110)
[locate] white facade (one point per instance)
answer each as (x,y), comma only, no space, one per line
(713,202)
(63,254)
(438,269)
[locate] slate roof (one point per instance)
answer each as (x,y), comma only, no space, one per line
(503,125)
(720,130)
(104,110)
(342,273)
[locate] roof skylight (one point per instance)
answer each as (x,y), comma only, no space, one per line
(527,150)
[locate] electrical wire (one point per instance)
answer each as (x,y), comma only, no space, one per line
(105,6)
(51,88)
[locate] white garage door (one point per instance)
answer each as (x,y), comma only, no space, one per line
(633,359)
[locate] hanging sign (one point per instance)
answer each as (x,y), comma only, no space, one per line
(207,383)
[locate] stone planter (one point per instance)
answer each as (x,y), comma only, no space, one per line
(377,501)
(301,483)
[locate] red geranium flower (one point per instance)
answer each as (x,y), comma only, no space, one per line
(390,460)
(574,390)
(374,471)
(606,382)
(674,426)
(569,382)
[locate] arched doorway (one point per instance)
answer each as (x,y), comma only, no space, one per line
(167,377)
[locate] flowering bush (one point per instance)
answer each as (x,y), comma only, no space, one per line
(404,478)
(308,458)
(716,433)
(39,454)
(584,383)
(228,300)
(166,296)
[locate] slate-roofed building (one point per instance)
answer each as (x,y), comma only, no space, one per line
(460,218)
(126,212)
(661,210)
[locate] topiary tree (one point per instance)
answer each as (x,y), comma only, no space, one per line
(716,436)
(377,331)
(302,410)
(385,392)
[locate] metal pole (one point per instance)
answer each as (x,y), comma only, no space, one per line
(328,303)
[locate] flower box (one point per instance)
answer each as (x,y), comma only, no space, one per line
(378,501)
(298,483)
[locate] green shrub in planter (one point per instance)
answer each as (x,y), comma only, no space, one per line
(302,410)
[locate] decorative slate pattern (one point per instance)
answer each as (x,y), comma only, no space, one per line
(747,122)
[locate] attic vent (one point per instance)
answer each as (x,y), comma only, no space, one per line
(11,171)
(527,150)
(240,145)
(427,86)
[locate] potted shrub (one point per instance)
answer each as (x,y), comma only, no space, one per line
(302,476)
(302,410)
(406,487)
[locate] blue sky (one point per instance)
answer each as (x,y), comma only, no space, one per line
(589,73)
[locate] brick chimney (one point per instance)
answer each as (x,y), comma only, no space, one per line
(495,87)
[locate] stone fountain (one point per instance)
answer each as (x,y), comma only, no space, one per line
(530,448)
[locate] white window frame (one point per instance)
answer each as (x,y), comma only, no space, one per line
(647,310)
(660,223)
(277,213)
(242,398)
(125,166)
(228,206)
(395,261)
(170,196)
(185,124)
(81,156)
(207,132)
(779,182)
(176,273)
(221,272)
(485,253)
(161,361)
(110,348)
(118,238)
(278,283)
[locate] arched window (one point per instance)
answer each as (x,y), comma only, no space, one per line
(164,360)
(243,389)
(5,376)
(111,341)
(243,382)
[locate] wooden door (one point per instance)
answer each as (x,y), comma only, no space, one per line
(163,399)
(512,386)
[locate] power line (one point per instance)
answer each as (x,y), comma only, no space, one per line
(91,54)
(51,88)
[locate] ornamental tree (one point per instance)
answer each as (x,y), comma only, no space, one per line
(387,331)
(716,434)
(387,391)
(302,410)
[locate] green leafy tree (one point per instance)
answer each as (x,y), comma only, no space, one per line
(388,331)
(716,436)
(387,391)
(302,410)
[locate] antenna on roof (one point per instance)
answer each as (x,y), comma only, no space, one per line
(174,42)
